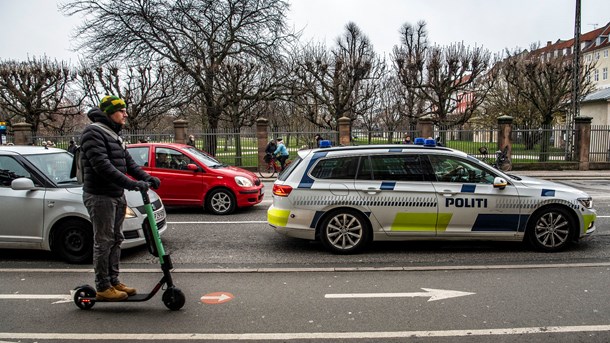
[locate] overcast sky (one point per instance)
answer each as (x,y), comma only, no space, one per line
(36,28)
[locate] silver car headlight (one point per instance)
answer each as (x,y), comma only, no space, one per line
(243,181)
(129,213)
(586,202)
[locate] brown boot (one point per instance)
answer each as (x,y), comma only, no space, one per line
(123,288)
(111,294)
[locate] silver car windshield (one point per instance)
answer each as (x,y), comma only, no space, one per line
(204,158)
(55,166)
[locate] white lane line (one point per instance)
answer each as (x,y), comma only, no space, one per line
(303,335)
(227,222)
(34,296)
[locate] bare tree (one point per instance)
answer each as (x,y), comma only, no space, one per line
(37,91)
(453,80)
(546,83)
(151,91)
(197,36)
(337,83)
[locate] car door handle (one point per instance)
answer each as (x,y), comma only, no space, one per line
(448,193)
(372,190)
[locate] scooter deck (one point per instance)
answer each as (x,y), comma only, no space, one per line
(133,298)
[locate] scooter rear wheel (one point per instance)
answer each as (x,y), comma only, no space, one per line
(173,298)
(83,297)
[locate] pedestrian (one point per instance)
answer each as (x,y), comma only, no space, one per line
(407,139)
(438,141)
(106,164)
(72,147)
(270,150)
(318,138)
(191,141)
(282,152)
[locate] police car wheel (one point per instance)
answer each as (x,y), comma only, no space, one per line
(345,231)
(551,230)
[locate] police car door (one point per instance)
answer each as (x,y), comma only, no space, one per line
(469,205)
(395,189)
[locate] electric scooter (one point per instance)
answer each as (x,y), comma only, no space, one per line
(173,297)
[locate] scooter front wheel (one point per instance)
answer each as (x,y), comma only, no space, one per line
(84,297)
(173,298)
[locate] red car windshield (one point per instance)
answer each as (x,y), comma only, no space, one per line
(204,158)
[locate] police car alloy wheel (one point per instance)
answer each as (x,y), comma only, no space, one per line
(345,232)
(551,230)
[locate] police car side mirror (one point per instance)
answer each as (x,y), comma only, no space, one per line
(500,182)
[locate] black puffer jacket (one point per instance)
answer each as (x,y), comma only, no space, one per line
(105,161)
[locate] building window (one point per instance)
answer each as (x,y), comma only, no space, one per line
(605,73)
(606,53)
(597,55)
(596,75)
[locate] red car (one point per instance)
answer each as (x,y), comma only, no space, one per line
(190,177)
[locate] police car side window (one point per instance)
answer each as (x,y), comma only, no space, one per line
(452,169)
(336,168)
(399,167)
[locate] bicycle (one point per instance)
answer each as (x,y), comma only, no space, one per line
(271,167)
(502,161)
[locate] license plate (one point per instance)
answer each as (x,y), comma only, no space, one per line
(262,190)
(159,215)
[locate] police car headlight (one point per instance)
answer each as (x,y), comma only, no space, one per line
(586,202)
(243,181)
(130,213)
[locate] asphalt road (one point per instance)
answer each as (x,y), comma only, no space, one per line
(280,289)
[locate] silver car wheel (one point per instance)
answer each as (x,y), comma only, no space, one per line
(344,232)
(551,230)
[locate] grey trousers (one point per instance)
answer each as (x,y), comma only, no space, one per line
(107,215)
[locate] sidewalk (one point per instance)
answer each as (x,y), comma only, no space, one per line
(565,174)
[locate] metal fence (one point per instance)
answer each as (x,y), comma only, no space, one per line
(240,148)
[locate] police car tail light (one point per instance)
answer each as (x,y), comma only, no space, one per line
(282,190)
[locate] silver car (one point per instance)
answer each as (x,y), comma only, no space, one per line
(42,207)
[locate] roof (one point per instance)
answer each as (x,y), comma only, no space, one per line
(600,95)
(29,149)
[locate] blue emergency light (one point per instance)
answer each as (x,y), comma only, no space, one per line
(325,143)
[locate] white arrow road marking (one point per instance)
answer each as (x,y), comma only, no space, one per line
(62,298)
(220,298)
(434,294)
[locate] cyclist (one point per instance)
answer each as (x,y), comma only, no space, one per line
(270,150)
(282,152)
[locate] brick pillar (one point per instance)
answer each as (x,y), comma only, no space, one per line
(583,141)
(180,127)
(262,138)
(425,127)
(505,133)
(22,133)
(345,131)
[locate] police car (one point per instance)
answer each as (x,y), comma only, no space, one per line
(347,197)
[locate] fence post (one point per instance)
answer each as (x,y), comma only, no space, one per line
(262,138)
(505,133)
(425,127)
(583,140)
(180,127)
(345,131)
(22,133)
